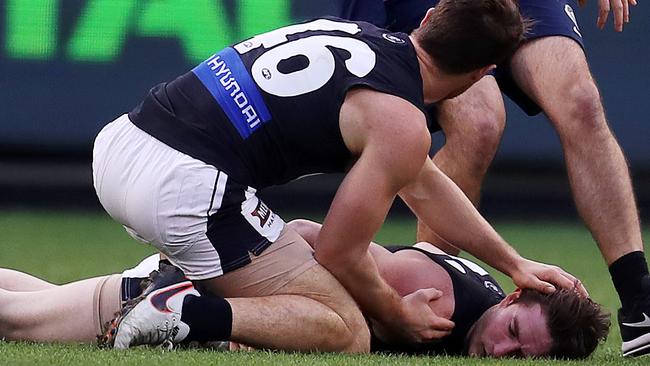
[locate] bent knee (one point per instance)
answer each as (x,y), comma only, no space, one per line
(478,133)
(346,333)
(358,334)
(345,328)
(582,110)
(488,130)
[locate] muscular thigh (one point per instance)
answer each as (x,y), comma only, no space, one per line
(268,272)
(287,267)
(547,69)
(320,285)
(549,19)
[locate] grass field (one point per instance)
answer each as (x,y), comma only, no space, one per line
(67,246)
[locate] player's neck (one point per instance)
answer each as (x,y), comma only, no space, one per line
(436,84)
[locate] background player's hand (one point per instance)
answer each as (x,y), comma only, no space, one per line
(418,322)
(545,278)
(621,9)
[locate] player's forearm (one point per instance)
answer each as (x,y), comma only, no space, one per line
(342,247)
(361,279)
(439,203)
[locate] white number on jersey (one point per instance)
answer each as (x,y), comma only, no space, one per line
(469,264)
(321,64)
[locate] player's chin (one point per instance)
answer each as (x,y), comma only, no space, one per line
(474,344)
(476,350)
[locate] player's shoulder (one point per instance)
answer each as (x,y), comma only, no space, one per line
(368,114)
(428,247)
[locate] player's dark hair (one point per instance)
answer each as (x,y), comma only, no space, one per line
(465,35)
(577,324)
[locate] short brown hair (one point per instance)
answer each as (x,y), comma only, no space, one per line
(466,35)
(577,324)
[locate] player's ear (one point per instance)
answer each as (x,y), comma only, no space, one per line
(488,69)
(478,74)
(426,16)
(511,298)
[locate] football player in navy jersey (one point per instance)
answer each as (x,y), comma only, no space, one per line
(548,73)
(182,169)
(488,323)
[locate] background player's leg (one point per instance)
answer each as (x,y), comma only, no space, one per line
(553,71)
(19,281)
(60,314)
(473,124)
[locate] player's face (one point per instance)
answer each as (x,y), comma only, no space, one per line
(468,79)
(510,330)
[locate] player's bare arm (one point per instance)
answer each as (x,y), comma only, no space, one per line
(439,203)
(391,142)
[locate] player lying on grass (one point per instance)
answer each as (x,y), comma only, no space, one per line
(549,73)
(488,323)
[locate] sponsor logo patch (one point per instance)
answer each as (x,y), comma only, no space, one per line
(226,78)
(569,12)
(262,212)
(644,323)
(159,300)
(393,39)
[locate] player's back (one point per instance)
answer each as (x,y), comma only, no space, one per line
(267,109)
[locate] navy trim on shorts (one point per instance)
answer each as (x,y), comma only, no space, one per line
(130,288)
(230,234)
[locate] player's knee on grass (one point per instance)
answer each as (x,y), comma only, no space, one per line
(288,267)
(347,330)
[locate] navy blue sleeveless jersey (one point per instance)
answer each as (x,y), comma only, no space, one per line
(475,291)
(266,110)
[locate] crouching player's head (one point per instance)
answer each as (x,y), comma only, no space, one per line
(468,38)
(531,324)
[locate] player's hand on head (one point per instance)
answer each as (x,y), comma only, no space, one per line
(418,322)
(545,278)
(620,8)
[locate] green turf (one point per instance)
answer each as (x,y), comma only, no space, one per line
(67,246)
